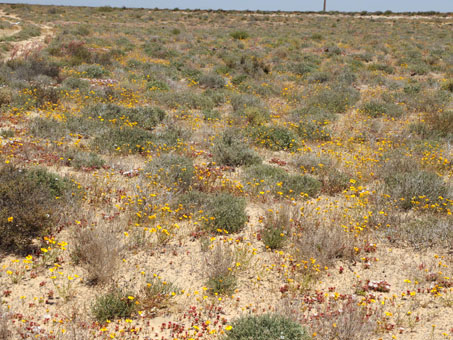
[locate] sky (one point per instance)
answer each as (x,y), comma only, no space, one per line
(284,5)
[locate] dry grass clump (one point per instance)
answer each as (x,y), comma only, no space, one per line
(277,226)
(156,294)
(98,250)
(5,332)
(218,267)
(321,237)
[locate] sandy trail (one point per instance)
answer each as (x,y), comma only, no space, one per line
(23,47)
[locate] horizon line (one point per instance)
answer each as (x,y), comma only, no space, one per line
(328,12)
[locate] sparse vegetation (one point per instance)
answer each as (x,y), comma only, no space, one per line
(178,174)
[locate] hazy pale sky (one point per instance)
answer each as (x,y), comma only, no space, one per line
(285,5)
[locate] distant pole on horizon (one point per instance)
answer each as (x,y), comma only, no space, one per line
(325,5)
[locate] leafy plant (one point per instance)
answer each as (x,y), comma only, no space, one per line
(274,137)
(412,188)
(231,149)
(276,228)
(239,35)
(218,264)
(266,327)
(173,170)
(225,212)
(30,205)
(113,305)
(157,293)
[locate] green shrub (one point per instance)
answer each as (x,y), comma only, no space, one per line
(313,163)
(448,85)
(211,115)
(255,115)
(81,159)
(185,100)
(212,80)
(123,140)
(29,206)
(274,137)
(381,67)
(407,187)
(146,117)
(422,232)
(6,96)
(335,99)
(297,185)
(311,129)
(71,83)
(276,228)
(319,77)
(157,294)
(173,170)
(47,128)
(218,265)
(113,305)
(376,109)
(242,101)
(154,84)
(94,71)
(239,35)
(335,181)
(228,213)
(303,68)
(279,182)
(441,123)
(192,201)
(231,149)
(266,327)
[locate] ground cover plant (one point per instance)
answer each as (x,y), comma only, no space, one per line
(176,174)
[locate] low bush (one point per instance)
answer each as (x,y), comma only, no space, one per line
(440,124)
(381,67)
(415,188)
(274,137)
(422,232)
(6,96)
(266,327)
(231,149)
(276,228)
(378,108)
(157,294)
(311,129)
(319,238)
(335,99)
(300,186)
(212,80)
(243,101)
(268,178)
(303,68)
(71,83)
(47,128)
(81,159)
(173,170)
(225,212)
(5,330)
(113,305)
(123,140)
(239,35)
(31,202)
(218,265)
(98,250)
(335,181)
(94,71)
